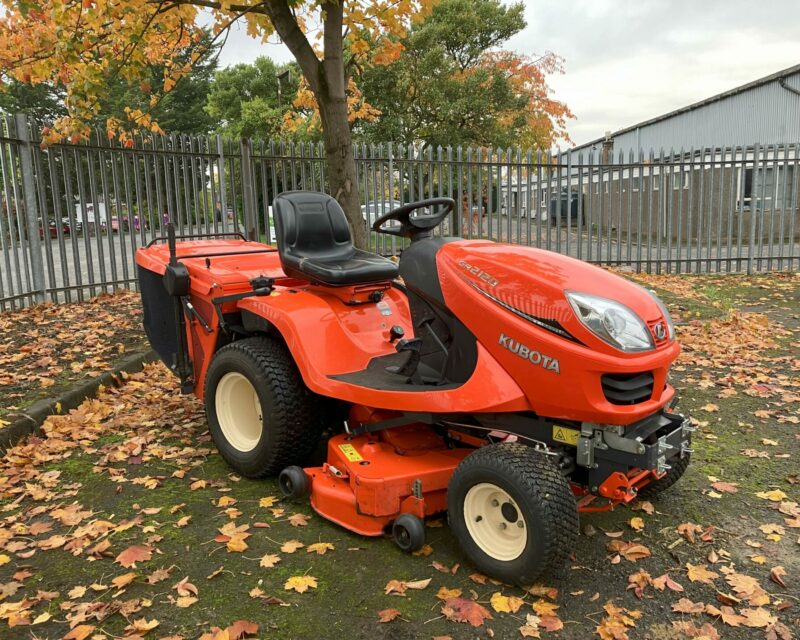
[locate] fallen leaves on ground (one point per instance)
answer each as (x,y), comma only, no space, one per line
(466,611)
(299,519)
(320,548)
(54,346)
(146,450)
(631,551)
(269,560)
(699,573)
(290,546)
(134,554)
(301,584)
(387,615)
(617,622)
(399,587)
(504,604)
(239,630)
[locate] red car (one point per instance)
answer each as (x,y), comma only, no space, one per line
(52,228)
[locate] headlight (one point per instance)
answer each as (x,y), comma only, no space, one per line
(611,321)
(665,313)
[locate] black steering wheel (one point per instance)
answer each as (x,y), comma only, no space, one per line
(412,227)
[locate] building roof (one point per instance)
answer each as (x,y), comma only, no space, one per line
(779,76)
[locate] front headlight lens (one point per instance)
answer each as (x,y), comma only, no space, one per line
(612,322)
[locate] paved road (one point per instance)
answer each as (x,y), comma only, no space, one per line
(81,265)
(107,259)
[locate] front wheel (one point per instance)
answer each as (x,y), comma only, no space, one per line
(657,487)
(513,512)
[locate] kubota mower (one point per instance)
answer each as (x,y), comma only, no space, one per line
(509,386)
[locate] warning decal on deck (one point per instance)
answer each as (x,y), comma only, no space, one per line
(565,435)
(350,453)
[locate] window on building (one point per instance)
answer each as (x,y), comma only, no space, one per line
(744,187)
(747,188)
(785,185)
(680,179)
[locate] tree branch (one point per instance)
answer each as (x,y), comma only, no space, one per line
(293,37)
(285,23)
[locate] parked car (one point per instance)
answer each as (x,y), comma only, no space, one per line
(52,228)
(76,227)
(371,211)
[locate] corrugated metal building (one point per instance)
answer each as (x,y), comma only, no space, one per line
(765,111)
(727,167)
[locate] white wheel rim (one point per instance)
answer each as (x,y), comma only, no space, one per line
(238,411)
(495,522)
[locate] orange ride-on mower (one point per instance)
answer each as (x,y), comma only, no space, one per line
(509,386)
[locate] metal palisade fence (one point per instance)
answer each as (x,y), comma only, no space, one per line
(73,215)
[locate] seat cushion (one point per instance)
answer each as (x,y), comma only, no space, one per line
(314,243)
(361,267)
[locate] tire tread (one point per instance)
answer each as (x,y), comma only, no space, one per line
(545,483)
(295,419)
(654,489)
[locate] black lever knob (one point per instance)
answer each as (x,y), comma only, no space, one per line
(396,332)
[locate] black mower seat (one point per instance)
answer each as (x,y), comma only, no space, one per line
(314,242)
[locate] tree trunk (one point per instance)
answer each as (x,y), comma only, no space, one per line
(328,82)
(342,165)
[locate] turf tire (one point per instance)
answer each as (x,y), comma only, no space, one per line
(291,419)
(654,489)
(543,496)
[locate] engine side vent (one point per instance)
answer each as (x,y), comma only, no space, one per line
(627,388)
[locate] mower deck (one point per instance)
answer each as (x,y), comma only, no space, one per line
(369,479)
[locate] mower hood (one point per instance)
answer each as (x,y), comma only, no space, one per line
(534,283)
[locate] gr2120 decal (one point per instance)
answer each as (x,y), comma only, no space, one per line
(479,273)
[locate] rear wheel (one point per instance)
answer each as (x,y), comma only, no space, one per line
(513,512)
(653,489)
(261,416)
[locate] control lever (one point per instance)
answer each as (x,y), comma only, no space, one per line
(396,332)
(409,368)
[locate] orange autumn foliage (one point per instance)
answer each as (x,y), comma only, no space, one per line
(79,45)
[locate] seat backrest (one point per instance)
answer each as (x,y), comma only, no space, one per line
(310,225)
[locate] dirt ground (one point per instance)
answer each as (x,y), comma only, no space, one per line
(47,349)
(125,522)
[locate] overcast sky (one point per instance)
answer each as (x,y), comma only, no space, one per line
(630,60)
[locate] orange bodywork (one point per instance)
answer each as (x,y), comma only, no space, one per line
(367,490)
(369,479)
(328,336)
(618,488)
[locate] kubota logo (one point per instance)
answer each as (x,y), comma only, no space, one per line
(517,348)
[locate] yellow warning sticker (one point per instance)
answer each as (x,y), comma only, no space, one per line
(565,435)
(350,453)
